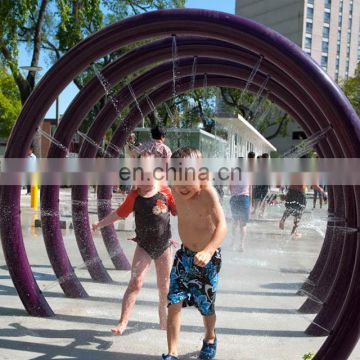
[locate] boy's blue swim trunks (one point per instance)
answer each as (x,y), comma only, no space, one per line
(192,284)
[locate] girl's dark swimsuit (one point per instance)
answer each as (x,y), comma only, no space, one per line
(152,219)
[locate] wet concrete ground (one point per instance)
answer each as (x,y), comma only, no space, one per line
(256,302)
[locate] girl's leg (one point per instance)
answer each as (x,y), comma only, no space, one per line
(140,265)
(173,328)
(163,267)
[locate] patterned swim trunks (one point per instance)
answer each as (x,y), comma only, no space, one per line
(192,284)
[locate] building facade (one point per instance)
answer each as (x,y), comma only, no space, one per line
(328,30)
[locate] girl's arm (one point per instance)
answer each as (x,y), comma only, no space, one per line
(122,212)
(108,220)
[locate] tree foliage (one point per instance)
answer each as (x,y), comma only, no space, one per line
(10,104)
(53,27)
(257,109)
(351,88)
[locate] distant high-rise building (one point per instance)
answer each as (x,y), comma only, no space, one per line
(328,30)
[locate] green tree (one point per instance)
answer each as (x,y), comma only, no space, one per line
(260,112)
(56,26)
(351,88)
(10,104)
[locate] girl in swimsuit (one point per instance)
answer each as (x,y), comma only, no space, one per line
(152,206)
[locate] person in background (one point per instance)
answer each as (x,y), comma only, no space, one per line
(157,146)
(132,147)
(240,209)
(30,155)
(260,193)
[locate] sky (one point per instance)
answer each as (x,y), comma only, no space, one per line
(220,5)
(70,92)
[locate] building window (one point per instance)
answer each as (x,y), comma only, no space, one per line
(338,48)
(324,61)
(309,27)
(340,21)
(310,13)
(308,42)
(327,18)
(325,46)
(326,32)
(348,38)
(327,4)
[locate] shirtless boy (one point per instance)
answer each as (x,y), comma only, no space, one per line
(195,273)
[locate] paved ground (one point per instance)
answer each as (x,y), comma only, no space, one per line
(256,303)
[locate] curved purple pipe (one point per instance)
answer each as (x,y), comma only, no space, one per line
(222,26)
(84,237)
(55,246)
(34,302)
(332,262)
(114,72)
(336,294)
(315,273)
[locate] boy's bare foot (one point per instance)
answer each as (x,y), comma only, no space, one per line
(119,329)
(281,224)
(296,235)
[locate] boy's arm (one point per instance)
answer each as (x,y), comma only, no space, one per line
(122,212)
(218,218)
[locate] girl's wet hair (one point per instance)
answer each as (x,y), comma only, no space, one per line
(187,152)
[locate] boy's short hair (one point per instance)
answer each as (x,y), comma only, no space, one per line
(187,152)
(157,132)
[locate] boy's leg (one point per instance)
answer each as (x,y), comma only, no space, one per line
(209,324)
(140,265)
(163,267)
(173,328)
(286,214)
(294,232)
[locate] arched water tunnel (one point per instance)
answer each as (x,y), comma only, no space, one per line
(227,48)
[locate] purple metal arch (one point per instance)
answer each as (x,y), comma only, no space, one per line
(193,21)
(331,265)
(114,72)
(108,115)
(160,95)
(84,237)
